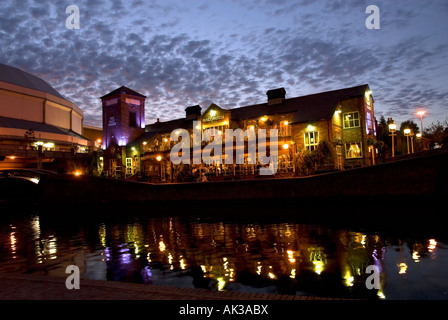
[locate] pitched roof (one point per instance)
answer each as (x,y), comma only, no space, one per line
(307,108)
(144,137)
(156,128)
(24,79)
(123,89)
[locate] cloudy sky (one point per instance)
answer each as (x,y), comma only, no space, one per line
(185,52)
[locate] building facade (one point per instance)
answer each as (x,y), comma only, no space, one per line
(123,122)
(332,130)
(39,128)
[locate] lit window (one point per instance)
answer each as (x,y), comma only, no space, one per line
(311,140)
(128,166)
(353,150)
(351,120)
(369,123)
(132,101)
(285,128)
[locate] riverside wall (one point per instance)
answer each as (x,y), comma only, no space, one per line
(423,177)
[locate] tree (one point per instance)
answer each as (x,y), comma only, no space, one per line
(437,132)
(409,124)
(323,154)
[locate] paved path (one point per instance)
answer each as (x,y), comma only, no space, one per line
(43,287)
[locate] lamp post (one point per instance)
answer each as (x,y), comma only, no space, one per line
(392,128)
(159,159)
(421,114)
(407,132)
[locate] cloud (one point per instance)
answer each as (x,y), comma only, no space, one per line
(148,46)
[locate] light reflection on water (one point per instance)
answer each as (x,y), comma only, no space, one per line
(286,257)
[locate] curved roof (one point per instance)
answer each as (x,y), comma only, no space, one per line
(24,79)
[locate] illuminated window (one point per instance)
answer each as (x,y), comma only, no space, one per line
(128,166)
(218,130)
(351,120)
(132,101)
(353,150)
(285,128)
(369,123)
(311,140)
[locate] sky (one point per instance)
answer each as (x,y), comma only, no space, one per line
(228,52)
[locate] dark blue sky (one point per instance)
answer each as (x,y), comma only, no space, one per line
(182,53)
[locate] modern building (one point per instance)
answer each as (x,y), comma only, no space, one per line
(331,130)
(39,128)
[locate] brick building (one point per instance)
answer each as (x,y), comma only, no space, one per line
(341,120)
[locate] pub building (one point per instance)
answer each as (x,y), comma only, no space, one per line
(341,120)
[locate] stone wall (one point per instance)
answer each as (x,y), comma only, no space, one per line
(426,177)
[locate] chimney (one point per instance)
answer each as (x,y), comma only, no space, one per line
(193,112)
(276,96)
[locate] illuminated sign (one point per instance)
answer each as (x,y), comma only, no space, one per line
(213,116)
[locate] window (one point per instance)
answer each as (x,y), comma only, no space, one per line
(132,119)
(132,101)
(110,102)
(311,140)
(369,123)
(128,166)
(369,101)
(351,120)
(285,128)
(353,150)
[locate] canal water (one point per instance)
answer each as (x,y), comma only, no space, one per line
(266,252)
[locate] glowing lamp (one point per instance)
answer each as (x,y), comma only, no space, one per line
(159,158)
(407,131)
(285,123)
(421,113)
(392,127)
(263,119)
(285,146)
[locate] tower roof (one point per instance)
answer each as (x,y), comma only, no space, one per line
(125,90)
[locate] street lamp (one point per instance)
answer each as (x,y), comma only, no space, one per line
(392,128)
(421,114)
(407,132)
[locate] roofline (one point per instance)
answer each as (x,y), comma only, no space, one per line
(132,92)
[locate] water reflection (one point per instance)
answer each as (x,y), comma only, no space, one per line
(286,258)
